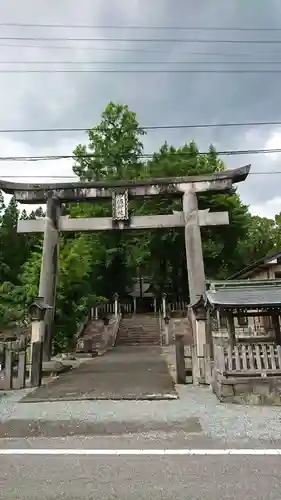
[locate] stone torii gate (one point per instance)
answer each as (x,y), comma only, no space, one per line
(188,188)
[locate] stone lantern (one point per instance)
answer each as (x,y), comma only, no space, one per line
(37,311)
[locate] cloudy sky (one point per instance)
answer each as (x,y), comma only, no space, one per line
(60,100)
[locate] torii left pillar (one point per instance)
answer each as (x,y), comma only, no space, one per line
(49,271)
(196,278)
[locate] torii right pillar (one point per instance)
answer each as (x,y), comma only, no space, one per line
(196,281)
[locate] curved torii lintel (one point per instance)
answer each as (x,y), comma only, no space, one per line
(79,191)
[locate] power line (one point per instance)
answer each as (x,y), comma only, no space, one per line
(142,71)
(120,49)
(137,40)
(233,152)
(72,47)
(141,27)
(141,62)
(149,127)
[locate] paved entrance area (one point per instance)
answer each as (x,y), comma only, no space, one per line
(125,373)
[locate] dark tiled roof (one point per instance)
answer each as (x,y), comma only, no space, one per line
(245,293)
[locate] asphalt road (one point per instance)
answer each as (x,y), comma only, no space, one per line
(132,477)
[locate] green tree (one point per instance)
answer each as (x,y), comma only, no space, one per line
(13,246)
(12,309)
(113,152)
(114,147)
(261,239)
(277,232)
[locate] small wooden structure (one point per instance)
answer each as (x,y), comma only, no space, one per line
(247,310)
(246,369)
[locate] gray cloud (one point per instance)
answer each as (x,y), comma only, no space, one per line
(77,100)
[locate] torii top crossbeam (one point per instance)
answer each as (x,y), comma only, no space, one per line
(85,191)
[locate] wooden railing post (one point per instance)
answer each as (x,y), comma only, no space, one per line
(219,359)
(36,364)
(9,366)
(180,360)
(195,366)
(208,364)
(3,351)
(116,305)
(19,382)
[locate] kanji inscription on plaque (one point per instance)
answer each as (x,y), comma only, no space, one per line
(120,206)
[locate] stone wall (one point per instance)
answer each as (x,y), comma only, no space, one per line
(248,390)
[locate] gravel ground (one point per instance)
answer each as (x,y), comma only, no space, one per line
(217,420)
(197,411)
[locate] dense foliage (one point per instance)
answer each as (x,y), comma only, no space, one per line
(94,266)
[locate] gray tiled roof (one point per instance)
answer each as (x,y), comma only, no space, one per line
(245,294)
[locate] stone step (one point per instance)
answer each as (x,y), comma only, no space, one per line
(138,337)
(131,333)
(140,319)
(137,341)
(132,325)
(142,326)
(156,342)
(139,330)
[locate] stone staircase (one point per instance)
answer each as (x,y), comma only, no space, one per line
(139,329)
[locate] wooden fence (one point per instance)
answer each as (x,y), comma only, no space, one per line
(248,359)
(14,357)
(109,307)
(128,307)
(176,306)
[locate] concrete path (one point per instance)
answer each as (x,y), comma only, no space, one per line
(124,373)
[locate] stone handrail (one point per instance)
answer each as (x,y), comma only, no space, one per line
(115,329)
(110,333)
(81,326)
(161,326)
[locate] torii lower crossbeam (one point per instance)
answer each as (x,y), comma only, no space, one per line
(67,224)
